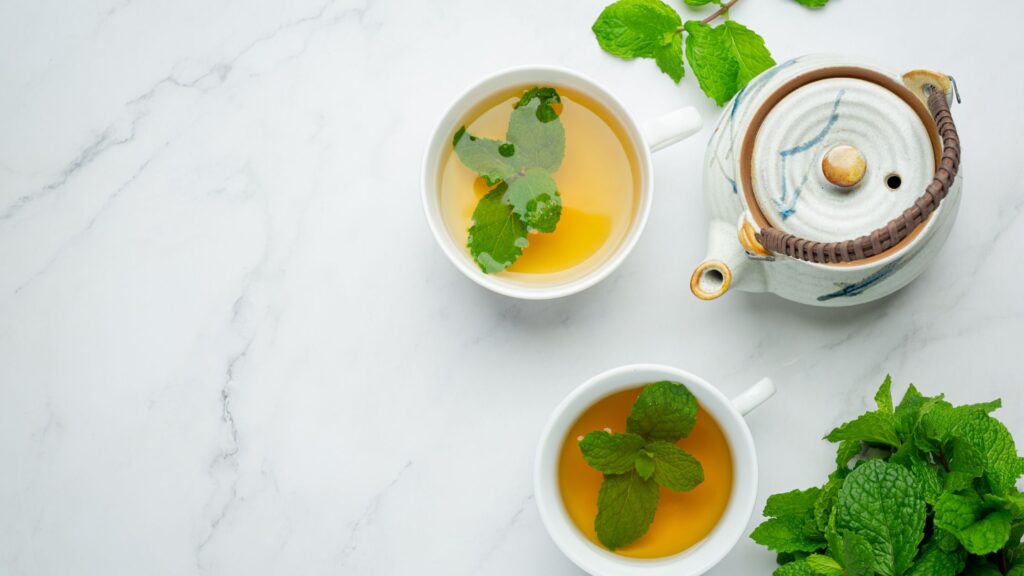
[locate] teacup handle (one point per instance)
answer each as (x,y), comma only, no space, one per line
(754,396)
(677,125)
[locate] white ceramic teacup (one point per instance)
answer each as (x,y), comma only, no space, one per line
(700,557)
(655,135)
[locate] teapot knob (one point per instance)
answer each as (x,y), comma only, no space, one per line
(843,166)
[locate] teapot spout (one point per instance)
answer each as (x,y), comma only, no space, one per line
(726,266)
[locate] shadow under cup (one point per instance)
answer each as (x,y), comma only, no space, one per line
(450,227)
(695,559)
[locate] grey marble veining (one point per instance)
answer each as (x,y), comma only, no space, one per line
(229,345)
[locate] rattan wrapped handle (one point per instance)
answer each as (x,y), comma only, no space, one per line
(898,228)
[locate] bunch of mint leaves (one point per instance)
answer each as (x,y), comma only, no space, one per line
(931,492)
(724,57)
(525,197)
(637,462)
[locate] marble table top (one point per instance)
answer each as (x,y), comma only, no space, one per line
(229,344)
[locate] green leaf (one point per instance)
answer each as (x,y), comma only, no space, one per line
(813,3)
(537,131)
(752,58)
(826,503)
(486,157)
(873,427)
(675,468)
(965,464)
(793,503)
(497,236)
(644,464)
(883,398)
(625,509)
(699,3)
(712,61)
(611,453)
(979,529)
(858,555)
(934,561)
(908,412)
(789,534)
(642,29)
(847,450)
(534,198)
(669,59)
(990,438)
(882,503)
(927,478)
(824,565)
(663,411)
(798,568)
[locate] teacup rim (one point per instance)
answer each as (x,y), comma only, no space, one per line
(600,562)
(503,286)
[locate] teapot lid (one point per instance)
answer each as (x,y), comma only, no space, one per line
(839,157)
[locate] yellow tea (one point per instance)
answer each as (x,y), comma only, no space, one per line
(598,182)
(682,518)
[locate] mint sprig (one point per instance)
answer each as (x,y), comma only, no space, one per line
(637,462)
(922,488)
(724,58)
(525,196)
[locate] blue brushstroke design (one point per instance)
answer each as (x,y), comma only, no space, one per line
(787,206)
(858,288)
(728,123)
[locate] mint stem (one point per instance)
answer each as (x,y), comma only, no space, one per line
(724,8)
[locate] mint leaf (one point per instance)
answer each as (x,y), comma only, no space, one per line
(990,438)
(625,508)
(537,131)
(873,427)
(793,503)
(813,3)
(675,468)
(858,555)
(927,479)
(789,534)
(611,453)
(751,56)
(791,526)
(965,464)
(847,450)
(824,565)
(712,61)
(699,3)
(663,411)
(645,464)
(883,398)
(641,29)
(497,236)
(491,159)
(826,503)
(797,568)
(669,59)
(934,561)
(534,198)
(882,503)
(980,529)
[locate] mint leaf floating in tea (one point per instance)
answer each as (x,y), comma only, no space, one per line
(674,468)
(637,462)
(526,197)
(497,236)
(663,411)
(626,505)
(643,29)
(491,159)
(611,453)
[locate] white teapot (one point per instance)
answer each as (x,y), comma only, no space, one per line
(829,182)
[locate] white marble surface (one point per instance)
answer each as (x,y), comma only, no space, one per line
(229,345)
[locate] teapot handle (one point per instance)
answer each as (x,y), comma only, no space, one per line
(898,228)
